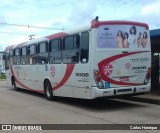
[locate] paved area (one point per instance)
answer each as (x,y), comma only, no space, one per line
(24,107)
(152,97)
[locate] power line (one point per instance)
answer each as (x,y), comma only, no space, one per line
(13,33)
(31,26)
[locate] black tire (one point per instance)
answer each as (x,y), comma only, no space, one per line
(15,86)
(48,90)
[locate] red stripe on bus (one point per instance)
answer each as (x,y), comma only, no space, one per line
(57,35)
(111,59)
(21,84)
(68,73)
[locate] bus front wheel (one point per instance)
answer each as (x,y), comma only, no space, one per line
(48,90)
(14,85)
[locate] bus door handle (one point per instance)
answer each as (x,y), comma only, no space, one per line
(124,52)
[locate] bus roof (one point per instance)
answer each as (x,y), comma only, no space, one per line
(9,47)
(70,32)
(93,24)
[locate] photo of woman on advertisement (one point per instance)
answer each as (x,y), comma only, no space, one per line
(139,40)
(132,37)
(119,39)
(125,40)
(144,40)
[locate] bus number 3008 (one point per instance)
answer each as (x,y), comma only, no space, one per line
(82,74)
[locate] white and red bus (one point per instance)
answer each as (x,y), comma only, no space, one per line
(102,59)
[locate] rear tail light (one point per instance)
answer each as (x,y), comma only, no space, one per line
(148,76)
(97,74)
(148,73)
(98,79)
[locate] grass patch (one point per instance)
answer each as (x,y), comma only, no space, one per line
(2,76)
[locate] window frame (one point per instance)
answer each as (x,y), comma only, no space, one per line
(17,56)
(46,47)
(82,46)
(29,49)
(73,41)
(60,43)
(22,51)
(11,55)
(35,53)
(74,58)
(39,53)
(12,52)
(19,51)
(64,42)
(24,55)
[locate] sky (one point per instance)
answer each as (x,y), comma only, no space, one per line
(21,18)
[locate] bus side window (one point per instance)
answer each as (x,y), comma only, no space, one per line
(11,56)
(43,53)
(76,41)
(17,56)
(24,56)
(84,47)
(71,49)
(55,51)
(32,54)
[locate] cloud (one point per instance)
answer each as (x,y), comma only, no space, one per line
(149,14)
(151,9)
(117,9)
(83,12)
(67,14)
(2,18)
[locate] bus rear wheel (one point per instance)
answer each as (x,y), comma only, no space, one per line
(48,90)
